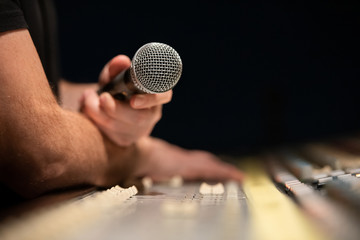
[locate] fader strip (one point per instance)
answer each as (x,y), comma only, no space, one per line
(62,221)
(273,215)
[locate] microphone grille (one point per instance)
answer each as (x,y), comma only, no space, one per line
(156,68)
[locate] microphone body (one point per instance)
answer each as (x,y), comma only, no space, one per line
(121,87)
(155,68)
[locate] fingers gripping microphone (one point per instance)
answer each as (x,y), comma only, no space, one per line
(155,68)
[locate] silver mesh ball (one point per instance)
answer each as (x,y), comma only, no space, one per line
(156,68)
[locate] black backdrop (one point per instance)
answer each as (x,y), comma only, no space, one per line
(256,73)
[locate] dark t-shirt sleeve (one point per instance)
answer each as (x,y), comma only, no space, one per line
(11,16)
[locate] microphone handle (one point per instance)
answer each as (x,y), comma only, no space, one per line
(121,87)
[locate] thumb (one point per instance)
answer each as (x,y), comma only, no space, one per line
(114,67)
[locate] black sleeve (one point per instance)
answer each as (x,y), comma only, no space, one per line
(39,17)
(11,15)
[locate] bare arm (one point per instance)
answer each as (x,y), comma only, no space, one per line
(42,146)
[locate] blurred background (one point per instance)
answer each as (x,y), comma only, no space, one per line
(257,74)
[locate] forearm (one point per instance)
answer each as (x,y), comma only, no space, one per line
(49,151)
(42,146)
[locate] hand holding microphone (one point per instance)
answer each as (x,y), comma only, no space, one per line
(154,69)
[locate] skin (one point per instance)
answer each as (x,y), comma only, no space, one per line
(160,159)
(45,146)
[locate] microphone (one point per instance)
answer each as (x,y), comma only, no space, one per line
(155,68)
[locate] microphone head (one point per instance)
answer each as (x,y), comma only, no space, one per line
(155,68)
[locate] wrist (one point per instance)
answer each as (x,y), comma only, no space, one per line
(122,162)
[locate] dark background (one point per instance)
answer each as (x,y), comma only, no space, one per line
(256,73)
